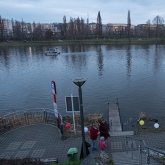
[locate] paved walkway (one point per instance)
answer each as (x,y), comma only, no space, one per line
(43,141)
(37,141)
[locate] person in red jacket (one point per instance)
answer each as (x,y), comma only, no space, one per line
(94,131)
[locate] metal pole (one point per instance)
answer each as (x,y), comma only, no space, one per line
(140,154)
(132,149)
(82,122)
(148,156)
(74,128)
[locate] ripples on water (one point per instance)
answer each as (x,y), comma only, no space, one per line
(134,74)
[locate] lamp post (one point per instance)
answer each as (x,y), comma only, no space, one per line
(79,82)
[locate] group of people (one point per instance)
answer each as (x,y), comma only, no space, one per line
(101,129)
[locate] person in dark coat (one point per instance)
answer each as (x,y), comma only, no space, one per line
(104,129)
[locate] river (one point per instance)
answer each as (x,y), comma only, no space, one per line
(135,74)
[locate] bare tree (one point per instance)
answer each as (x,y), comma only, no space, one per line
(129,25)
(78,28)
(64,27)
(71,29)
(158,21)
(99,26)
(23,26)
(17,30)
(48,34)
(37,33)
(61,28)
(82,30)
(1,29)
(149,28)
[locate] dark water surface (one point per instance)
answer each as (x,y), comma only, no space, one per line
(134,74)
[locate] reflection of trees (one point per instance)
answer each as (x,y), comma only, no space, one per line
(100,60)
(64,48)
(4,55)
(129,61)
(157,59)
(114,47)
(77,61)
(77,48)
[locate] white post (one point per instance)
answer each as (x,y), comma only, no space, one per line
(74,129)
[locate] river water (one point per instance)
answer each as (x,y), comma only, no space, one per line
(134,74)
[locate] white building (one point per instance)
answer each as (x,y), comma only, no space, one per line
(7,27)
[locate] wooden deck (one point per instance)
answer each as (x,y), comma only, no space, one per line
(115,123)
(114,118)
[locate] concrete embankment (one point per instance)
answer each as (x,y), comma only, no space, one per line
(79,42)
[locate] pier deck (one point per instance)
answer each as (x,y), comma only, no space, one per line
(115,123)
(114,118)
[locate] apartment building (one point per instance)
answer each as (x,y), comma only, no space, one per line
(6,27)
(118,27)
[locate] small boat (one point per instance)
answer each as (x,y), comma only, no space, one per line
(52,52)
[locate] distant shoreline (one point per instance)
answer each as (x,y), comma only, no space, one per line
(81,42)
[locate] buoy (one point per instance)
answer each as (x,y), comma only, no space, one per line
(141,122)
(85,129)
(156,125)
(67,125)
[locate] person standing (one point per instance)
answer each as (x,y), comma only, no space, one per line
(104,129)
(103,146)
(94,131)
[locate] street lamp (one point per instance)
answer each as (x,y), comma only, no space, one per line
(79,82)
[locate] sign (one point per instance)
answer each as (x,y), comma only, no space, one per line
(72,100)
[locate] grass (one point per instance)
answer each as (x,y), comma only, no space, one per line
(88,41)
(149,130)
(69,163)
(110,160)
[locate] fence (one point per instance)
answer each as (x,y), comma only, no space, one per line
(132,124)
(145,153)
(26,117)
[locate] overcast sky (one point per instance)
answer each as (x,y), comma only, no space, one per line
(112,11)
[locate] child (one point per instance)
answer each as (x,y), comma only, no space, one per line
(103,146)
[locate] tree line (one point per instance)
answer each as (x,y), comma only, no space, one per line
(77,29)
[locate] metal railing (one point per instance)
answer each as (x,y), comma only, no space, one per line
(19,118)
(143,148)
(132,124)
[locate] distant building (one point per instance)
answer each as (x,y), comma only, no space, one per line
(6,27)
(92,27)
(118,27)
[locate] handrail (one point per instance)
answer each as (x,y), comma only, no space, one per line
(119,113)
(25,117)
(147,148)
(146,145)
(132,124)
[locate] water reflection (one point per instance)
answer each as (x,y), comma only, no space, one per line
(100,60)
(4,58)
(107,68)
(158,57)
(77,48)
(129,57)
(64,48)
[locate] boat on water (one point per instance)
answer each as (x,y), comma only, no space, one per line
(52,52)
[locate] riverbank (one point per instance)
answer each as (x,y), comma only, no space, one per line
(83,42)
